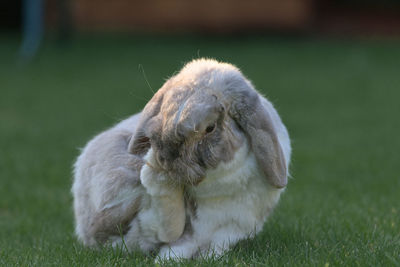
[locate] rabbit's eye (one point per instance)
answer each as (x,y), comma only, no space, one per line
(210,128)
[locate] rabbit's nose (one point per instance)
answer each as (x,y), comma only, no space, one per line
(166,157)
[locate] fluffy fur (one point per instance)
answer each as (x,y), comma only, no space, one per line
(200,168)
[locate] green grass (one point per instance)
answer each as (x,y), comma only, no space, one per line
(339,100)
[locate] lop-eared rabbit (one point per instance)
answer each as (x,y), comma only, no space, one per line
(200,168)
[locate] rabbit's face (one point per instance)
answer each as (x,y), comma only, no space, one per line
(192,133)
(200,117)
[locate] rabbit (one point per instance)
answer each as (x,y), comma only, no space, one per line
(200,168)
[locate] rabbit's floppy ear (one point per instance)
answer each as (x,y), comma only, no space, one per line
(140,141)
(252,116)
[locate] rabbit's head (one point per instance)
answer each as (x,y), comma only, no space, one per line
(200,117)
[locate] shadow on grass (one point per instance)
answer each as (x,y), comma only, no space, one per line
(267,247)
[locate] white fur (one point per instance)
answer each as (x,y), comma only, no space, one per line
(232,202)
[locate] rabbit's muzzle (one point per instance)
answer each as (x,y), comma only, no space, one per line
(181,163)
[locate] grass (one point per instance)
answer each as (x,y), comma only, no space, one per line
(339,100)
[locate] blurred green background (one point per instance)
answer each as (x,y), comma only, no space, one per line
(338,94)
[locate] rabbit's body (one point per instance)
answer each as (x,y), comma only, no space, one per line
(106,176)
(236,214)
(124,193)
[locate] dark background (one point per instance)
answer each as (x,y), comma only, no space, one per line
(340,17)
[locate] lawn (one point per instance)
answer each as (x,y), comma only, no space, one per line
(339,100)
